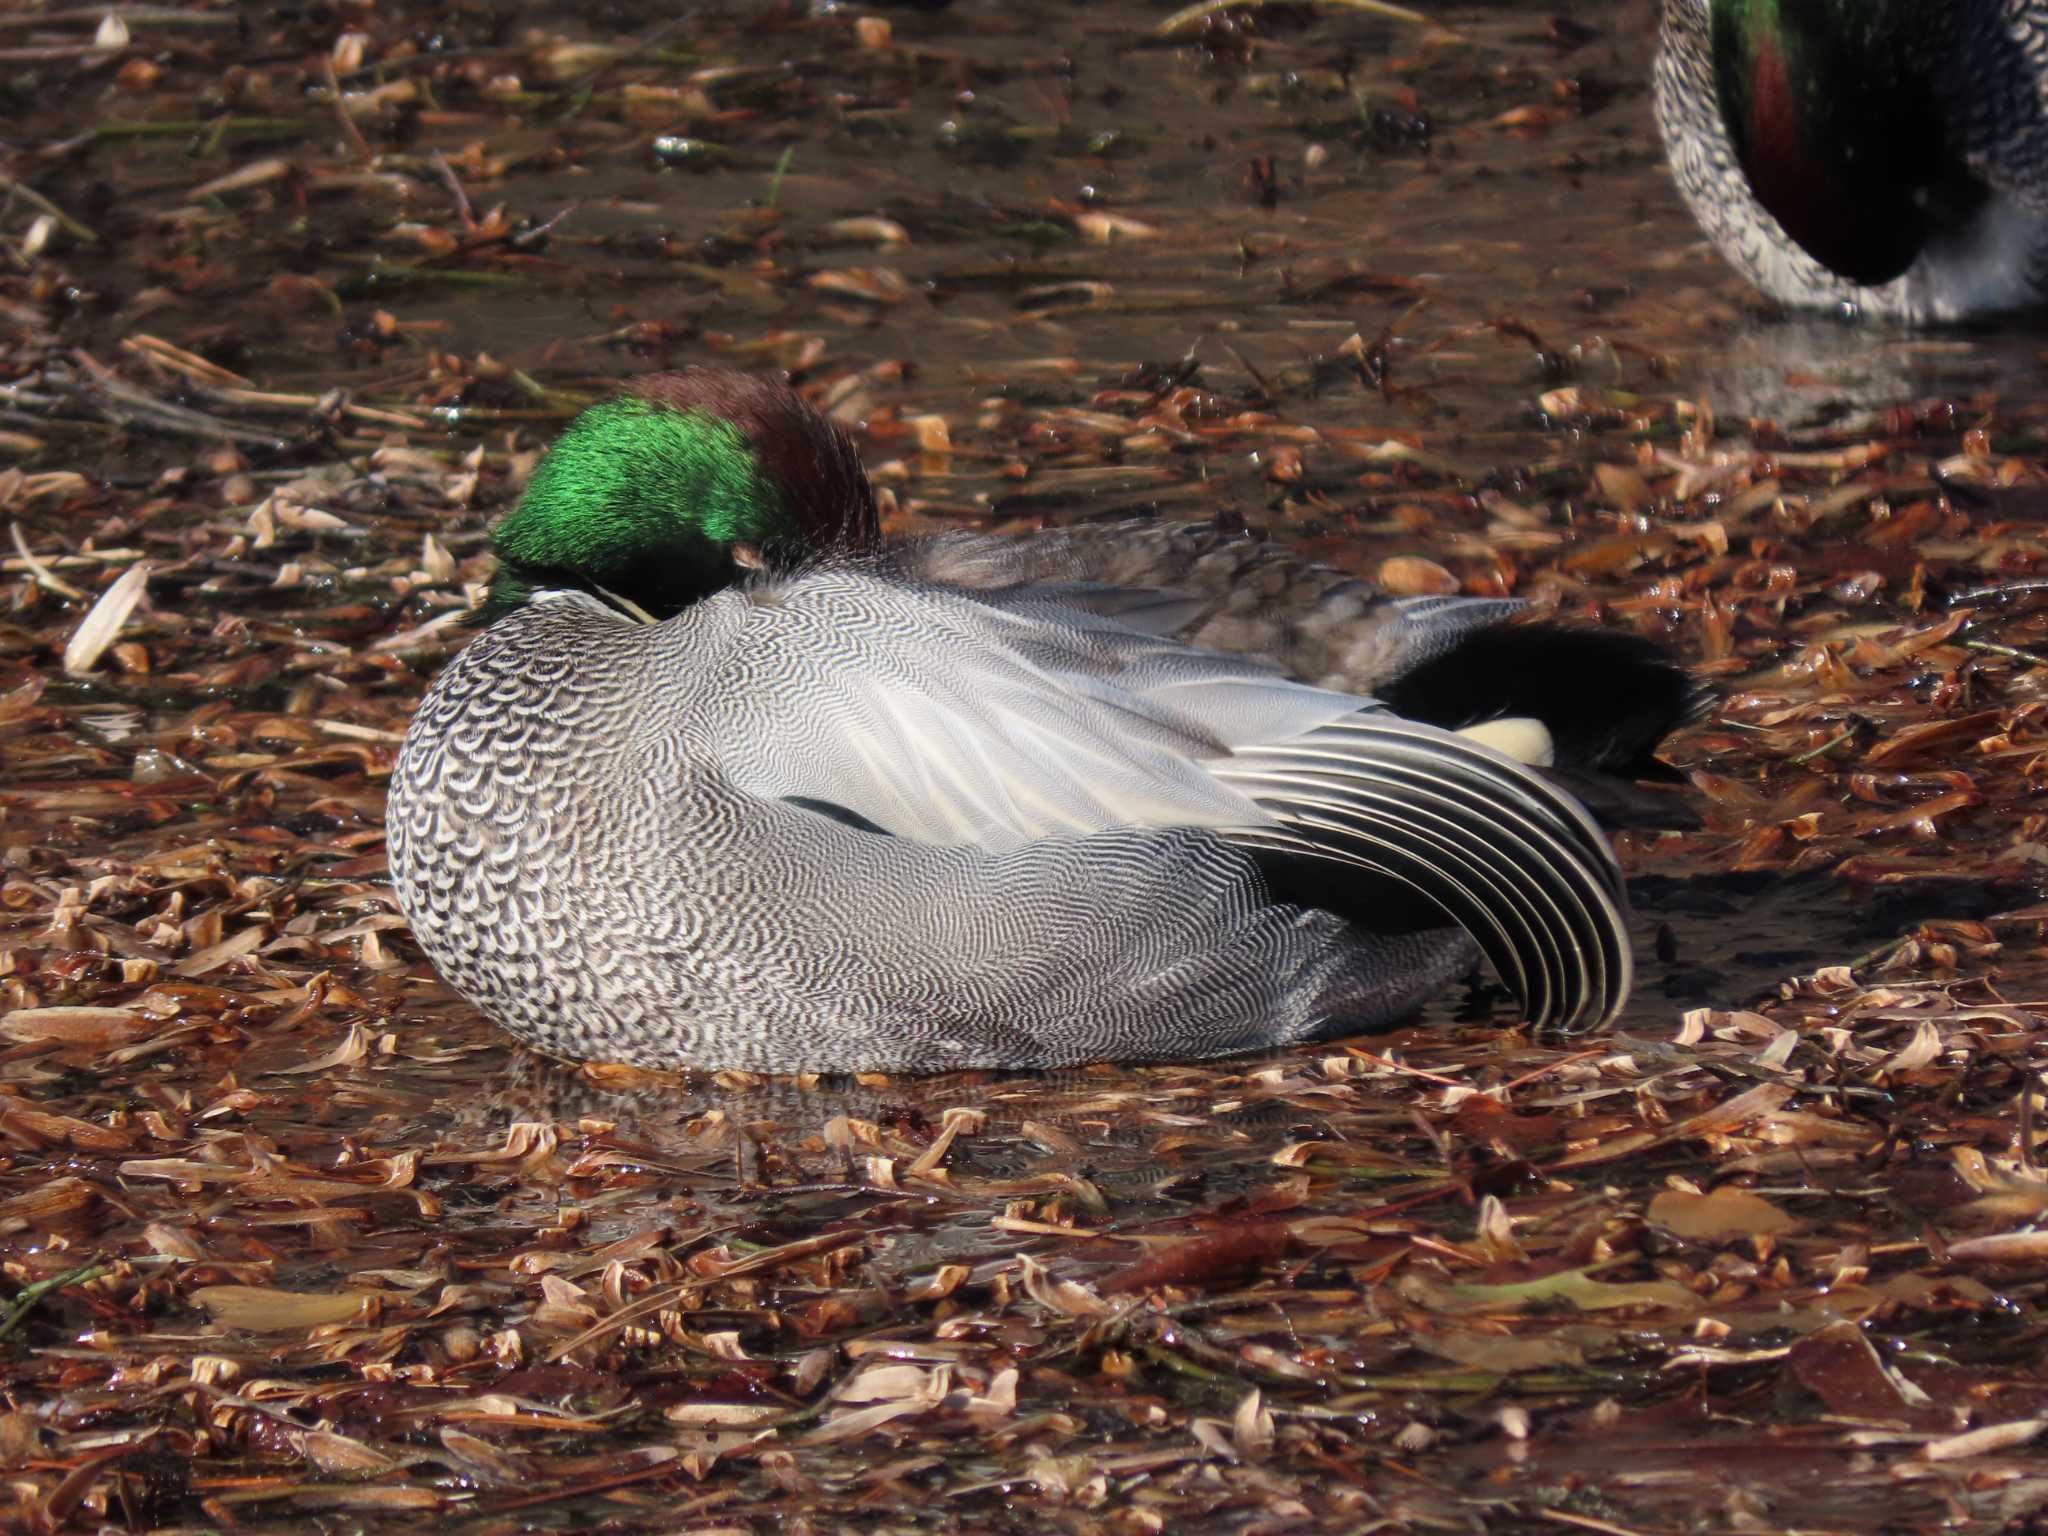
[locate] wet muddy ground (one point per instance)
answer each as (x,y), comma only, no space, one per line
(292,295)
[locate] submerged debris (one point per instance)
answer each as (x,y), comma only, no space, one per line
(288,1233)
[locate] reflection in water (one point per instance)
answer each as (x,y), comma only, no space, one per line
(1805,371)
(1710,941)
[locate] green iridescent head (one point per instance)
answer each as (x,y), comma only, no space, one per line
(665,493)
(1834,111)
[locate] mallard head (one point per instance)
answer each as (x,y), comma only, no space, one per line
(1834,110)
(663,494)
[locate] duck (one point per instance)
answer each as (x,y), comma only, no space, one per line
(1882,159)
(727,781)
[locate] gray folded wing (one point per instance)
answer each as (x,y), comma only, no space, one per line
(950,719)
(1514,861)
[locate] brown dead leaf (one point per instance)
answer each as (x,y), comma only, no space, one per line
(1410,576)
(1723,1213)
(261,1309)
(76,1026)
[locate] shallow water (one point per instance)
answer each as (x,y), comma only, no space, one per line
(1487,205)
(1064,221)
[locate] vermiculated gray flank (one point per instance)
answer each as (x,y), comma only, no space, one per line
(849,818)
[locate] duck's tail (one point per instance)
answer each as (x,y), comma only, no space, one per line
(1373,811)
(1608,699)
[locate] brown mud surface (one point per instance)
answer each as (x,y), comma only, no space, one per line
(291,296)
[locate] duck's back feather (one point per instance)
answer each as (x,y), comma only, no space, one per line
(1001,718)
(1220,589)
(988,720)
(1607,699)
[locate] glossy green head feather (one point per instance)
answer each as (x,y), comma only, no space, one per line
(654,495)
(1834,115)
(635,495)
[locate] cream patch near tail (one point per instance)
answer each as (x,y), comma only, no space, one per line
(1522,737)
